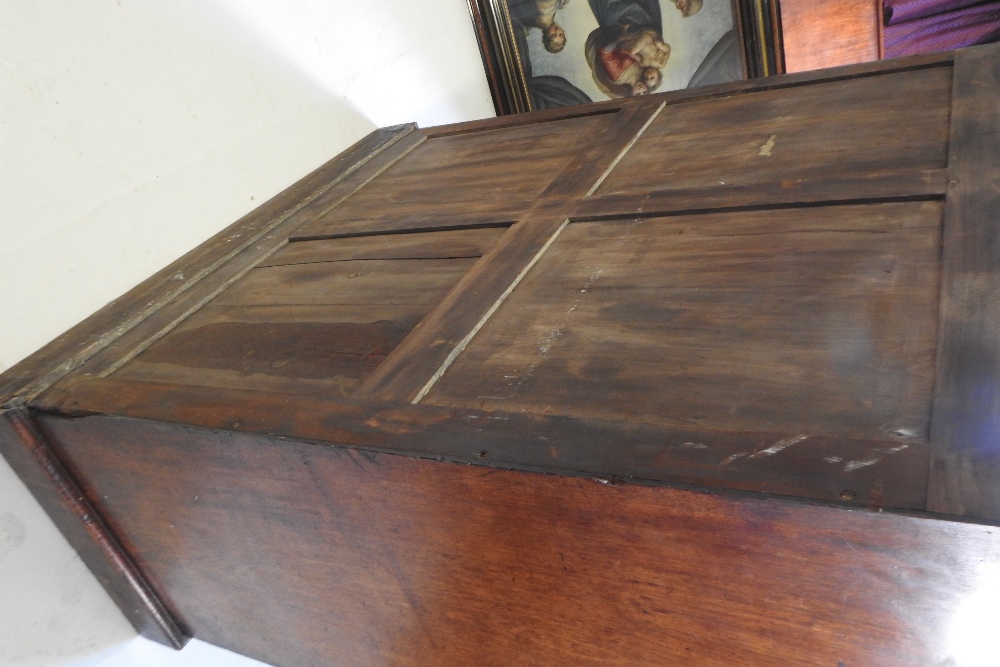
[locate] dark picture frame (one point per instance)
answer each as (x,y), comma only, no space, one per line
(503,36)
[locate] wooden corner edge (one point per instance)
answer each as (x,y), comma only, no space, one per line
(38,465)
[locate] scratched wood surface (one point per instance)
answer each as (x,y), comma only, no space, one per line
(850,126)
(316,317)
(814,320)
(479,177)
(305,555)
(889,473)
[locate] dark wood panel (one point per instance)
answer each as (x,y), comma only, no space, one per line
(376,282)
(448,180)
(408,369)
(432,245)
(69,351)
(813,321)
(37,465)
(826,33)
(317,350)
(806,189)
(837,128)
(304,554)
(965,471)
(888,474)
(317,317)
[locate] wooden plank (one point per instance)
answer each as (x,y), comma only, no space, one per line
(409,368)
(314,350)
(301,554)
(313,320)
(450,180)
(67,352)
(806,188)
(432,245)
(235,266)
(32,457)
(881,474)
(840,128)
(827,33)
(376,282)
(965,469)
(812,321)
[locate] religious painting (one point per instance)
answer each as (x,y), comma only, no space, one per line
(543,54)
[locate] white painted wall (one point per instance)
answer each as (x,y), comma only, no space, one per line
(131,131)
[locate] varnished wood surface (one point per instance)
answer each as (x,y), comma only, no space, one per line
(888,473)
(500,173)
(31,456)
(316,317)
(965,470)
(41,369)
(418,358)
(826,33)
(815,320)
(831,128)
(303,555)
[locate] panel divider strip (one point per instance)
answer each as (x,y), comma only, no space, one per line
(407,370)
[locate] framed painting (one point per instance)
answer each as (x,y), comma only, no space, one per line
(542,54)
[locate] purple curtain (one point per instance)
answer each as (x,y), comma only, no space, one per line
(924,26)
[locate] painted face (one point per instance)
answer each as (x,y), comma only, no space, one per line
(651,77)
(555,38)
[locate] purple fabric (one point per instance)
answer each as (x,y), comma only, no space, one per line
(954,29)
(907,10)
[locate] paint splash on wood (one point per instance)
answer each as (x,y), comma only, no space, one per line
(765,150)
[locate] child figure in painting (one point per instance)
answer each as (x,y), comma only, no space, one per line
(541,14)
(632,63)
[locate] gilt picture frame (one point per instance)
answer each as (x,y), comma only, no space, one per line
(542,54)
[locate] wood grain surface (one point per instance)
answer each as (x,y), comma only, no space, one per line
(826,33)
(965,470)
(888,473)
(813,320)
(850,127)
(486,176)
(407,371)
(40,467)
(303,554)
(316,317)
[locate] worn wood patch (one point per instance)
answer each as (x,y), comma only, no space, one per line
(816,320)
